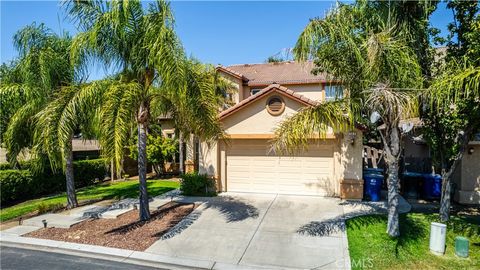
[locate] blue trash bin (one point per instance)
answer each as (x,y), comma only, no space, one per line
(373,186)
(432,186)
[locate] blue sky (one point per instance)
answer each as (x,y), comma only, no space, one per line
(216,32)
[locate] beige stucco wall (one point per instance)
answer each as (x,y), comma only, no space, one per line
(255,119)
(468,177)
(238,84)
(348,157)
(311,91)
(3,155)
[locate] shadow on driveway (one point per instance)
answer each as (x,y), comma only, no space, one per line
(231,208)
(336,224)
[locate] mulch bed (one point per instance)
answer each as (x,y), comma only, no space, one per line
(126,231)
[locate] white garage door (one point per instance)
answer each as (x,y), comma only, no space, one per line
(250,168)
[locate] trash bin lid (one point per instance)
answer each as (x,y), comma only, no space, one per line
(412,174)
(439,224)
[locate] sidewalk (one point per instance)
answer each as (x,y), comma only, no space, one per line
(12,237)
(115,254)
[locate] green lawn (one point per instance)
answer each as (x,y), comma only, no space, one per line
(371,248)
(127,189)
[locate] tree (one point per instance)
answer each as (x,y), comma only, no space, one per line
(452,117)
(56,124)
(27,86)
(452,106)
(159,149)
(464,37)
(153,76)
(368,53)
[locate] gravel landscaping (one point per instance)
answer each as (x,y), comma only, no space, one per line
(125,232)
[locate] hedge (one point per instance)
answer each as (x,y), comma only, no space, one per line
(195,184)
(23,165)
(19,185)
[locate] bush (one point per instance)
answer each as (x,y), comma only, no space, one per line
(88,172)
(23,165)
(18,185)
(194,184)
(49,207)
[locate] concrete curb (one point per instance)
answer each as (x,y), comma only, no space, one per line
(120,255)
(105,253)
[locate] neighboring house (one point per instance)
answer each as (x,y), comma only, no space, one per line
(267,94)
(82,149)
(85,149)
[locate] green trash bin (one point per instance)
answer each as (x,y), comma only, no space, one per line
(461,246)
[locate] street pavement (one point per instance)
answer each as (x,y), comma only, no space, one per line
(19,259)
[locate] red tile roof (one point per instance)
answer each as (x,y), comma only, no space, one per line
(290,72)
(271,88)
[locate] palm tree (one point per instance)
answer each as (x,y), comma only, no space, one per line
(42,67)
(69,110)
(42,70)
(369,56)
(153,76)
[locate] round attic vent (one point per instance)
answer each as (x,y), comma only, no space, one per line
(275,105)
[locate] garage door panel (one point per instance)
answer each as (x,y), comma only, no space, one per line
(251,167)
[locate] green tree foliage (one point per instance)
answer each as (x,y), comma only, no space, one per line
(159,149)
(153,77)
(372,49)
(452,117)
(27,87)
(464,37)
(452,110)
(28,83)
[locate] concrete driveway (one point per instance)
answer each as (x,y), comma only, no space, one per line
(269,230)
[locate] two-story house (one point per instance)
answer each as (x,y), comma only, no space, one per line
(267,94)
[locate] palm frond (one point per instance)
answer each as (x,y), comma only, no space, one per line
(118,117)
(393,104)
(315,122)
(462,81)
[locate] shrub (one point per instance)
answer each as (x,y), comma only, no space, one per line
(23,165)
(88,172)
(195,184)
(49,207)
(17,185)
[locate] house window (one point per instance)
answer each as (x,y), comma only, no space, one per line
(333,92)
(275,105)
(170,135)
(255,91)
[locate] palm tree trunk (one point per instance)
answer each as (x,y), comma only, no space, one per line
(393,226)
(142,170)
(392,150)
(445,199)
(180,154)
(69,178)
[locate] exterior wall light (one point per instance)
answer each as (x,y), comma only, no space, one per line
(470,150)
